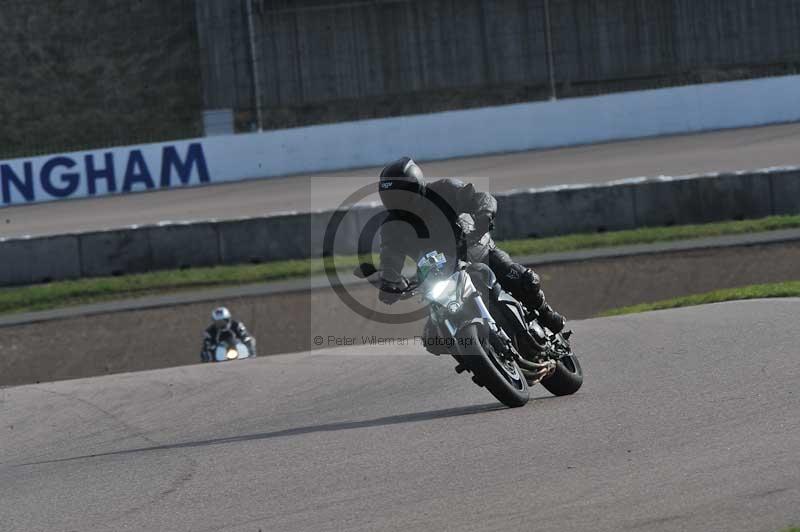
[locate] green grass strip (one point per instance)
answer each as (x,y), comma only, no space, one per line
(85,291)
(758,291)
(647,235)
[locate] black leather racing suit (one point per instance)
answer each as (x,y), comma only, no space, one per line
(213,336)
(446,199)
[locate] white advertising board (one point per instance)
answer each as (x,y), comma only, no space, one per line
(472,132)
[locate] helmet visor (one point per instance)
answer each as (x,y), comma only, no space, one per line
(398,193)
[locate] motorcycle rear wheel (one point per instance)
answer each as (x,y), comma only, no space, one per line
(503,379)
(567,379)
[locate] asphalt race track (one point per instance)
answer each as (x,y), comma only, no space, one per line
(741,149)
(688,420)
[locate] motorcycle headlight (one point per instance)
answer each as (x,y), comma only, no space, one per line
(441,288)
(442,291)
(232,353)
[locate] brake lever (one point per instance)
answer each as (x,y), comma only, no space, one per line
(410,292)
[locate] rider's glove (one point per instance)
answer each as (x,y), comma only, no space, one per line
(390,291)
(484,222)
(465,226)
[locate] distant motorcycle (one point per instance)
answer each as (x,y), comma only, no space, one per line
(229,347)
(488,332)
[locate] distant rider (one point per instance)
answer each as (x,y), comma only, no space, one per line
(403,190)
(222,323)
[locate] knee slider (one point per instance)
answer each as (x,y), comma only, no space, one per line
(516,273)
(532,288)
(525,285)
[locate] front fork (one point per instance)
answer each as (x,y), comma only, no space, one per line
(475,311)
(472,311)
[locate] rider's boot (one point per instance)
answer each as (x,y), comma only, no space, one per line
(533,298)
(551,319)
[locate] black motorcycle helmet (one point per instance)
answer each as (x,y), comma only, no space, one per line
(401,183)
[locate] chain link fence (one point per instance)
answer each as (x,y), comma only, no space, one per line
(112,72)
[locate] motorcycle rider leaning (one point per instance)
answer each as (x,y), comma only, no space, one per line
(429,207)
(221,323)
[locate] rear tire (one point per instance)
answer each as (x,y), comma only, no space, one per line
(567,379)
(495,375)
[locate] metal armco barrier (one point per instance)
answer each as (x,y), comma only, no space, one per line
(521,214)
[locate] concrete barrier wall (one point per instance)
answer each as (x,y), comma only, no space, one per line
(542,213)
(522,214)
(640,202)
(785,186)
(687,201)
(30,261)
(433,136)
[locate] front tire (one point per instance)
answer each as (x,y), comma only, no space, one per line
(504,380)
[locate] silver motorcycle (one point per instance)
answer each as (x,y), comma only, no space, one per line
(228,347)
(489,333)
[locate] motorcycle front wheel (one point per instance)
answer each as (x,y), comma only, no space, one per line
(501,377)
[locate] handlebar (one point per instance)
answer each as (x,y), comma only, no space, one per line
(365,271)
(409,292)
